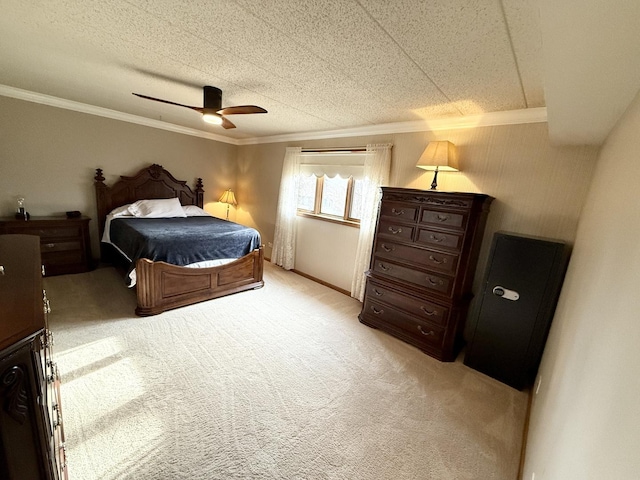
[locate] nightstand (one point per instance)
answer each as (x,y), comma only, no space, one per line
(64,242)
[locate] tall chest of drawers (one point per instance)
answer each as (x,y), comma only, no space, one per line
(31,430)
(422,266)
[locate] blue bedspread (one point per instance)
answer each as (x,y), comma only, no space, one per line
(182,241)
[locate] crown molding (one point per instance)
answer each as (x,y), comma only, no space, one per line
(511,117)
(51,101)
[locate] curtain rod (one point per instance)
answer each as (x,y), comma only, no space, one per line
(334,150)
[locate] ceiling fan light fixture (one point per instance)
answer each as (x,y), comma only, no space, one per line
(212,111)
(212,118)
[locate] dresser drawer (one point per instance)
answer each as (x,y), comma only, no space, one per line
(62,258)
(424,333)
(435,283)
(440,239)
(44,232)
(399,211)
(64,242)
(396,230)
(448,201)
(47,246)
(421,308)
(444,218)
(434,260)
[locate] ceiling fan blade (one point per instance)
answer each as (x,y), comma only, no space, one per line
(241,109)
(227,124)
(197,109)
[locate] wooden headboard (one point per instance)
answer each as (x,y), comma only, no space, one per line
(150,182)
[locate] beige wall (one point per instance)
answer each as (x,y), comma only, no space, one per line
(539,189)
(49,155)
(585,421)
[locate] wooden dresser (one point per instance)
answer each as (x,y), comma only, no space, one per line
(422,267)
(64,242)
(31,430)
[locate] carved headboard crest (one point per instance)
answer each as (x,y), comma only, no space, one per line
(149,183)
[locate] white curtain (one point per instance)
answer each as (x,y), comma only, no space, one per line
(284,242)
(377,165)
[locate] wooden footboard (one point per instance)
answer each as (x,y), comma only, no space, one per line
(162,286)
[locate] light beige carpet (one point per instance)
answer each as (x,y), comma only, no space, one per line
(277,383)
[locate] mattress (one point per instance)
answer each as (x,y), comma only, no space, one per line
(181,241)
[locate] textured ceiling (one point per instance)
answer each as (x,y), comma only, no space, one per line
(314,65)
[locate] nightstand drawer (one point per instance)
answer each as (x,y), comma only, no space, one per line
(26,228)
(64,242)
(59,246)
(59,232)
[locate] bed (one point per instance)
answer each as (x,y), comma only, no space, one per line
(161,285)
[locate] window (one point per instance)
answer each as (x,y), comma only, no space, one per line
(330,185)
(335,199)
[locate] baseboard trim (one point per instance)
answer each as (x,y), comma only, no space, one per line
(525,434)
(322,282)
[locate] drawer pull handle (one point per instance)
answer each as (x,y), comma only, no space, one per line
(58,420)
(435,238)
(386,248)
(50,245)
(395,231)
(384,267)
(377,292)
(1,269)
(377,311)
(425,333)
(434,282)
(431,313)
(437,261)
(397,212)
(442,218)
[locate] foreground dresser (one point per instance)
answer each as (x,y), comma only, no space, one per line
(64,242)
(422,267)
(31,431)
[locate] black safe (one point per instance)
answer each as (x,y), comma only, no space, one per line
(512,317)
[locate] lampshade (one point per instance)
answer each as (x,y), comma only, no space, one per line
(228,197)
(440,155)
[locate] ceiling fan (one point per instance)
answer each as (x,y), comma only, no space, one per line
(212,111)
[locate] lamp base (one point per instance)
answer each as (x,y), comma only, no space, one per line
(434,183)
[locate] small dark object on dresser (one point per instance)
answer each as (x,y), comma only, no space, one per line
(73,214)
(22,214)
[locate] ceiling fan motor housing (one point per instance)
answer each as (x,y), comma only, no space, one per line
(212,99)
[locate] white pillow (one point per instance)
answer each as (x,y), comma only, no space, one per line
(122,211)
(161,208)
(194,211)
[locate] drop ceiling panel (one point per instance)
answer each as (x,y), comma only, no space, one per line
(343,35)
(523,21)
(462,45)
